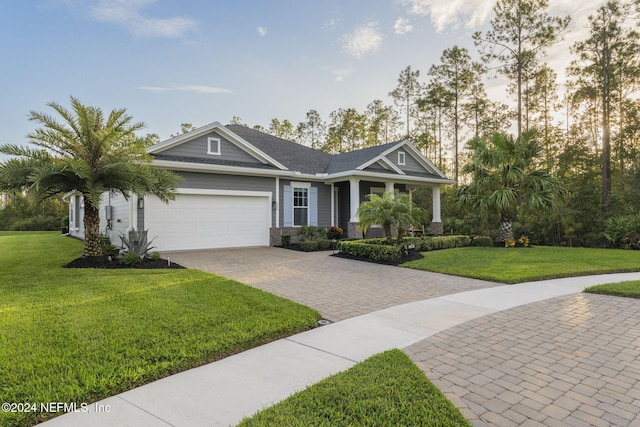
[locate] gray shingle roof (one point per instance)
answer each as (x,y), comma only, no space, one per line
(300,158)
(294,156)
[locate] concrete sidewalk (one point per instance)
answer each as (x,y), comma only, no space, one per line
(224,392)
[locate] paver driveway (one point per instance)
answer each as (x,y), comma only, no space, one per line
(565,361)
(568,361)
(338,288)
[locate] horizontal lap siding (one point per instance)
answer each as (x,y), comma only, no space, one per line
(212,181)
(324,201)
(411,164)
(119,218)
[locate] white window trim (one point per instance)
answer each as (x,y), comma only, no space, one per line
(210,142)
(293,202)
(402,158)
(307,186)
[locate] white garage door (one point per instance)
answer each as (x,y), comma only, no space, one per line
(206,221)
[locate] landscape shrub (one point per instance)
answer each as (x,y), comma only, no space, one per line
(421,243)
(130,258)
(324,244)
(137,242)
(482,241)
(309,245)
(449,242)
(623,231)
(285,239)
(375,252)
(310,232)
(36,223)
(108,249)
(154,256)
(334,233)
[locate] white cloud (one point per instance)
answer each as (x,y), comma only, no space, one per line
(402,26)
(128,13)
(341,73)
(364,39)
(449,13)
(189,88)
(262,31)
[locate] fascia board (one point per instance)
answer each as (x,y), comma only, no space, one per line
(231,170)
(386,177)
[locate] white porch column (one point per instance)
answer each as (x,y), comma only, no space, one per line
(436,204)
(277,201)
(436,222)
(354,197)
(388,187)
(333,205)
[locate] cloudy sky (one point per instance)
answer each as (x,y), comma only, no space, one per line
(195,61)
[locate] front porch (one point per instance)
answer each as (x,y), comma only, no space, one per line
(347,196)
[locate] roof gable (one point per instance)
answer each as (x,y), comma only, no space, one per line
(170,148)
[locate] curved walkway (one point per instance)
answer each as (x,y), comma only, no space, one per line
(530,354)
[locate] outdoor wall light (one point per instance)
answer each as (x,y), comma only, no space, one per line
(140,203)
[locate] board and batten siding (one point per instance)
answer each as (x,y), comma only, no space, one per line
(198,148)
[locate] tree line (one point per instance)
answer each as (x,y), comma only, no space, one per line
(588,126)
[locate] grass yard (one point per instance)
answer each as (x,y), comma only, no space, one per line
(516,265)
(80,335)
(387,389)
(629,289)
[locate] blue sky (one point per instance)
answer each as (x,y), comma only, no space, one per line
(169,62)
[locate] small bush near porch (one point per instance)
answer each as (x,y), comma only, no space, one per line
(80,335)
(380,250)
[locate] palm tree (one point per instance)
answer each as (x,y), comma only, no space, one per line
(505,178)
(389,210)
(88,153)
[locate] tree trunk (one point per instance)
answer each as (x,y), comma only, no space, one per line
(91,230)
(387,232)
(506,228)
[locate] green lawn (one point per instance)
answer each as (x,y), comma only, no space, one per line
(387,389)
(515,265)
(629,289)
(79,335)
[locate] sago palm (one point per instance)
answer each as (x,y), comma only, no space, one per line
(504,178)
(86,152)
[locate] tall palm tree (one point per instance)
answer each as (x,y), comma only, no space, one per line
(389,210)
(505,177)
(86,152)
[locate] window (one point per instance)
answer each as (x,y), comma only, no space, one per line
(401,158)
(300,206)
(213,146)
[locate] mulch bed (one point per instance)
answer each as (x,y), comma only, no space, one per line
(105,262)
(409,255)
(297,247)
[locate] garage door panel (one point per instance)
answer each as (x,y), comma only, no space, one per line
(208,221)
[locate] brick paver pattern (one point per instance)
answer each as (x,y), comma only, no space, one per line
(338,288)
(568,361)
